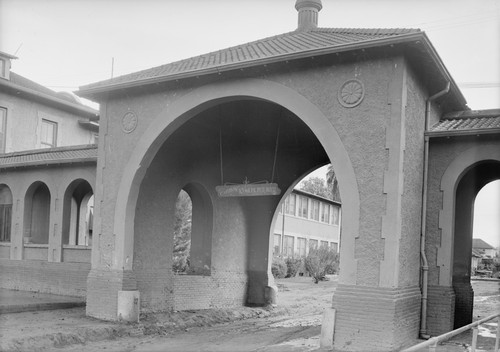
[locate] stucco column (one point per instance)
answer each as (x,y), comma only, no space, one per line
(383,296)
(16,236)
(55,229)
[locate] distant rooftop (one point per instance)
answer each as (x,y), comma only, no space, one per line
(50,156)
(478,243)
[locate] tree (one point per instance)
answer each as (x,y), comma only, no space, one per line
(317,186)
(331,180)
(182,232)
(321,261)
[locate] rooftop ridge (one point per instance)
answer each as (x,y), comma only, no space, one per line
(288,43)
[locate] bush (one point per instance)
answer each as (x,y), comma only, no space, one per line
(293,265)
(279,268)
(320,262)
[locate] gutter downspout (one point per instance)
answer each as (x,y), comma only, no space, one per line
(425,264)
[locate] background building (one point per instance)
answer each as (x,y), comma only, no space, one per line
(306,221)
(34,117)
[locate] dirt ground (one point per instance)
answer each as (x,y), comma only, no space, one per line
(294,326)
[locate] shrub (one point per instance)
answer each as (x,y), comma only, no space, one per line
(320,262)
(279,268)
(293,265)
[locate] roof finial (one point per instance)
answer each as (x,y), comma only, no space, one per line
(308,13)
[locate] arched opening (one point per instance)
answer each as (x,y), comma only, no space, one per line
(5,213)
(236,142)
(78,214)
(193,231)
(37,214)
(471,182)
(305,236)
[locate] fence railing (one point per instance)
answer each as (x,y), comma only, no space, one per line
(433,342)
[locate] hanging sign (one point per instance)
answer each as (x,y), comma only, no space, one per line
(248,190)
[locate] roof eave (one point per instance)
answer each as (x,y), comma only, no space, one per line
(26,164)
(368,44)
(87,111)
(462,133)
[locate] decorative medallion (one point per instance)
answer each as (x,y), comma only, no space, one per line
(351,93)
(129,122)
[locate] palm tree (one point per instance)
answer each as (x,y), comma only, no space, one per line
(331,180)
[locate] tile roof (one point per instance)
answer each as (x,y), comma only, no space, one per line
(468,121)
(61,155)
(255,52)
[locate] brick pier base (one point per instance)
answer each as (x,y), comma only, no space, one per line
(464,303)
(375,319)
(440,309)
(102,291)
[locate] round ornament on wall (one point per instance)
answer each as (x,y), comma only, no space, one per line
(129,122)
(351,93)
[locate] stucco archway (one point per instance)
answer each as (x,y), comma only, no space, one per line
(461,182)
(208,96)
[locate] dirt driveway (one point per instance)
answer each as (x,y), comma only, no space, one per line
(298,329)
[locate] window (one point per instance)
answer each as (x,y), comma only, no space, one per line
(324,244)
(303,208)
(290,205)
(313,244)
(315,209)
(5,219)
(95,138)
(48,134)
(325,213)
(277,244)
(335,215)
(3,127)
(334,246)
(3,72)
(288,246)
(301,246)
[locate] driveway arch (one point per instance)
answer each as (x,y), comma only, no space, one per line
(451,177)
(210,95)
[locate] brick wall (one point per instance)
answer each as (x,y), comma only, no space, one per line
(40,276)
(221,289)
(440,309)
(464,303)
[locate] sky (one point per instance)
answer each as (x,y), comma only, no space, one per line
(64,44)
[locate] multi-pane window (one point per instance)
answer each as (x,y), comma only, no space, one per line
(288,246)
(325,213)
(5,220)
(3,128)
(324,244)
(290,204)
(334,246)
(313,244)
(335,215)
(303,207)
(276,244)
(301,246)
(315,209)
(48,134)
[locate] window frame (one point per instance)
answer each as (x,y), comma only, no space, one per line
(54,124)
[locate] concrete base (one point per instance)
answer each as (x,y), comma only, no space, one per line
(128,306)
(376,319)
(327,328)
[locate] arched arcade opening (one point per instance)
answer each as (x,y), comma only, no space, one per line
(234,142)
(78,213)
(37,214)
(471,182)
